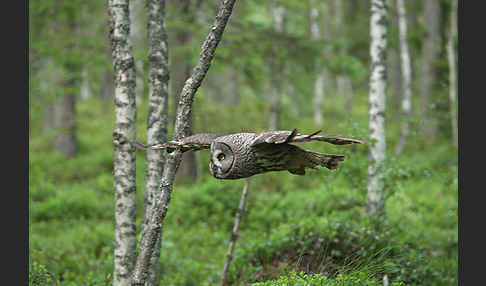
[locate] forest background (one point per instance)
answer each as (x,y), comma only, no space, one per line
(293,226)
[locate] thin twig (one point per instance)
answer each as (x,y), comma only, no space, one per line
(234,233)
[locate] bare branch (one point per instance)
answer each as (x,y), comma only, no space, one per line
(234,233)
(159,209)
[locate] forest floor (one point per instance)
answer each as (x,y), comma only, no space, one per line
(310,228)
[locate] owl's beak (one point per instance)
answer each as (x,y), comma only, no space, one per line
(212,169)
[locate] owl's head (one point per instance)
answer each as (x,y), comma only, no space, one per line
(222,158)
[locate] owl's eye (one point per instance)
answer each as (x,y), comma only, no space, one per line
(221,157)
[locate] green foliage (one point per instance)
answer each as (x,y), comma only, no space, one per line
(314,223)
(39,276)
(301,278)
(296,230)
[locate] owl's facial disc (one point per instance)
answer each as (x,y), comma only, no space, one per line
(222,158)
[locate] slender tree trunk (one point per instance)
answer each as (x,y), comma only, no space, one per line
(162,199)
(276,68)
(394,72)
(430,55)
(323,80)
(181,70)
(137,39)
(318,98)
(49,74)
(378,27)
(124,142)
(64,121)
(157,118)
(234,233)
(64,115)
(347,87)
(451,55)
(60,113)
(412,22)
(64,105)
(407,77)
(319,83)
(84,92)
(343,81)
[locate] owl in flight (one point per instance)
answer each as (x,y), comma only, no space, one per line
(241,155)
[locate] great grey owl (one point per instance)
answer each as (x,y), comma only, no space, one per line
(241,155)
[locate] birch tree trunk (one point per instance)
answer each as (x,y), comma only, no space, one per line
(157,118)
(137,39)
(184,110)
(451,55)
(343,82)
(394,73)
(276,67)
(406,76)
(430,54)
(49,73)
(319,83)
(378,27)
(123,142)
(65,140)
(66,71)
(84,92)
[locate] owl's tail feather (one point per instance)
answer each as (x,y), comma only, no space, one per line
(329,161)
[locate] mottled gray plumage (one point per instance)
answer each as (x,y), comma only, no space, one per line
(241,155)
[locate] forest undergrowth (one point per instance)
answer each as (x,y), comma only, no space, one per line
(296,229)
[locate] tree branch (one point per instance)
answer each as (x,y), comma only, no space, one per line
(234,233)
(161,202)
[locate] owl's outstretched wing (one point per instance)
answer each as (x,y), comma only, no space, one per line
(280,137)
(195,142)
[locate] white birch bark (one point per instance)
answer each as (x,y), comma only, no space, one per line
(378,29)
(123,141)
(138,43)
(157,117)
(451,55)
(84,92)
(319,83)
(277,13)
(347,87)
(430,54)
(343,82)
(406,67)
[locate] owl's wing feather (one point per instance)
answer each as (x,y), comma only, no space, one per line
(195,142)
(280,137)
(336,140)
(274,137)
